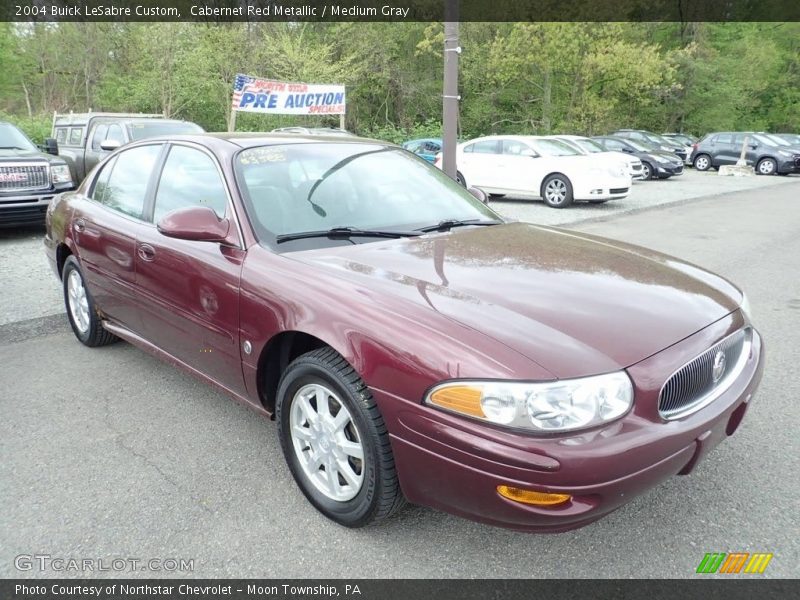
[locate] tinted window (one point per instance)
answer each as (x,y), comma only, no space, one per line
(61,135)
(126,185)
(11,137)
(614,145)
(486,147)
(189,178)
(724,138)
(99,136)
(75,136)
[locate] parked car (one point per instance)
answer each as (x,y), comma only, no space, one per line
(29,178)
(314,131)
(426,148)
(680,138)
(417,348)
(725,148)
(529,165)
(658,142)
(588,146)
(656,164)
(84,139)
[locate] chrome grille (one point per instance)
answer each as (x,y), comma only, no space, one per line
(694,385)
(22,177)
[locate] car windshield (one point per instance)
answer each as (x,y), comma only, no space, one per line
(766,140)
(777,140)
(553,148)
(140,131)
(589,145)
(308,187)
(12,138)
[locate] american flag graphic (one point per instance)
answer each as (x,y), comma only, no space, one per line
(240,86)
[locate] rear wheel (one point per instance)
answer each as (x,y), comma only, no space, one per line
(702,162)
(767,166)
(335,441)
(81,310)
(557,191)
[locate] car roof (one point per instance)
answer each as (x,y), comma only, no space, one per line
(252,139)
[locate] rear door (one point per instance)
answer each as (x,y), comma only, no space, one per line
(724,151)
(105,226)
(190,289)
(521,167)
(750,154)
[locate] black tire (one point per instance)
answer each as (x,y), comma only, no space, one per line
(647,171)
(379,496)
(767,166)
(94,334)
(460,179)
(702,162)
(564,197)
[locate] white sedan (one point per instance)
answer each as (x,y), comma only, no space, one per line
(537,166)
(589,146)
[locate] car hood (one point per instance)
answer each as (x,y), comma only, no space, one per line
(574,304)
(11,155)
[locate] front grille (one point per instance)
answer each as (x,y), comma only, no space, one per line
(696,384)
(637,167)
(618,190)
(679,169)
(24,177)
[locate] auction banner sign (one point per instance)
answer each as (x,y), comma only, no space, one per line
(266,96)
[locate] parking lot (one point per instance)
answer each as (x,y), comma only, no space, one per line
(111,453)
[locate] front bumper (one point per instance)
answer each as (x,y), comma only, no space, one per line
(27,208)
(789,165)
(668,170)
(607,188)
(455,464)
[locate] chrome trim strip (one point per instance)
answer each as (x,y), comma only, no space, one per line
(720,388)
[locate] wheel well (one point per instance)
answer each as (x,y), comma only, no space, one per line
(281,350)
(62,253)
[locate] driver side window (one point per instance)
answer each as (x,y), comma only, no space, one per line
(190,178)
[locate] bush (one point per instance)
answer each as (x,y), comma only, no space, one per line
(37,127)
(397,135)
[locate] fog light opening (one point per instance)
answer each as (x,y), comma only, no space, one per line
(532,497)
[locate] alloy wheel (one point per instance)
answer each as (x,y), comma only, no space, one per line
(78,302)
(555,192)
(701,163)
(766,167)
(327,442)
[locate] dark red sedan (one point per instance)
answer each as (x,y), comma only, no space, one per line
(409,342)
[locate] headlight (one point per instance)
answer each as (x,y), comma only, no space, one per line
(546,407)
(60,174)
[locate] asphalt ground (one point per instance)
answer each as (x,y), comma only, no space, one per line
(111,453)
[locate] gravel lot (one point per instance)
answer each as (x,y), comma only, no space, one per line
(112,453)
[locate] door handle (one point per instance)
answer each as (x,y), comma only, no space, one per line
(147,252)
(79,225)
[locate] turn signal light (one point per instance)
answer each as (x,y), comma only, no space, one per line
(461,399)
(532,497)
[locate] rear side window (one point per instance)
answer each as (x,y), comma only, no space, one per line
(61,135)
(724,138)
(190,178)
(613,145)
(485,147)
(75,136)
(514,147)
(124,187)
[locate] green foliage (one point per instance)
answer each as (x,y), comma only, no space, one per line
(514,77)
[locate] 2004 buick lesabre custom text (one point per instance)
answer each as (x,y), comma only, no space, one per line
(409,342)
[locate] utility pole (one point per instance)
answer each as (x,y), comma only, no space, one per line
(450,98)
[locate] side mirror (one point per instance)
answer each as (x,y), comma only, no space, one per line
(195,223)
(479,194)
(50,146)
(110,145)
(626,149)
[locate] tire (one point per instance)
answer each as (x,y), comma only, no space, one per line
(647,171)
(702,162)
(365,490)
(767,166)
(460,179)
(557,191)
(81,310)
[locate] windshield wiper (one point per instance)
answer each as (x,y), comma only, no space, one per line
(345,233)
(448,224)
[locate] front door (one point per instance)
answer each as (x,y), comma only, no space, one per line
(189,289)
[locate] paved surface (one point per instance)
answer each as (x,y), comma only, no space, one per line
(110,453)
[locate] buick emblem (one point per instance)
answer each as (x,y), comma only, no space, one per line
(718,368)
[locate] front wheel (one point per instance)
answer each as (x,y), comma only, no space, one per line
(647,171)
(767,166)
(335,441)
(81,310)
(557,191)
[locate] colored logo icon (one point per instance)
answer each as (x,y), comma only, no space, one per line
(734,562)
